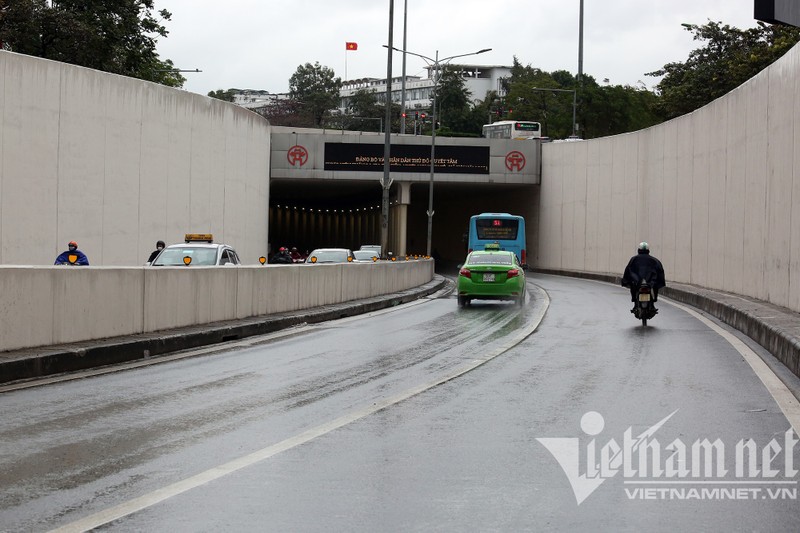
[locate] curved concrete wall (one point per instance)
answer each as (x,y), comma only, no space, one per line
(44,306)
(116,164)
(716,193)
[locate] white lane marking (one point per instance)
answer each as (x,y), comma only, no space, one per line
(164,493)
(780,393)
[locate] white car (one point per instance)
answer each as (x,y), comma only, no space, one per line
(365,256)
(330,255)
(374,248)
(197,251)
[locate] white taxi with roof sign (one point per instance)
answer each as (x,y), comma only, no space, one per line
(198,249)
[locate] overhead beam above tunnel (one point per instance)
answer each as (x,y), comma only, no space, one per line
(778,11)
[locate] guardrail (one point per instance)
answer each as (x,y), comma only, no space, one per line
(45,306)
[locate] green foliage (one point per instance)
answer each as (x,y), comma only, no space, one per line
(615,109)
(285,112)
(728,58)
(452,100)
(365,103)
(533,94)
(365,114)
(117,36)
(225,95)
(316,89)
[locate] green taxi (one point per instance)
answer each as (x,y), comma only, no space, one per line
(491,274)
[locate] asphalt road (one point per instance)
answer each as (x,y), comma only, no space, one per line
(421,417)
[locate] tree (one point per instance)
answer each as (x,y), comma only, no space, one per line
(285,112)
(117,36)
(222,94)
(729,57)
(530,96)
(316,89)
(454,107)
(365,112)
(615,109)
(533,94)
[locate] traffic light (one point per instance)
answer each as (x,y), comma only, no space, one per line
(416,115)
(404,115)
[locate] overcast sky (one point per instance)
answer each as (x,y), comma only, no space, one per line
(258,44)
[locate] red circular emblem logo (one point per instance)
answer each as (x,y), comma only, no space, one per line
(515,160)
(297,155)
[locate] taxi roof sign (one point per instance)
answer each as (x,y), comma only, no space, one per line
(492,247)
(198,237)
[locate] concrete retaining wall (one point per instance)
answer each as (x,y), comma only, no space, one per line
(716,193)
(44,306)
(116,163)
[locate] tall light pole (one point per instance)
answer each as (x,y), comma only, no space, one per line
(435,64)
(386,181)
(580,69)
(580,45)
(403,82)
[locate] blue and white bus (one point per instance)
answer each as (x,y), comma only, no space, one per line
(502,228)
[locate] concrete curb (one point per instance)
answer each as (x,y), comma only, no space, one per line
(50,360)
(775,328)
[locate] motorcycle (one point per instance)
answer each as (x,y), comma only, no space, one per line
(644,309)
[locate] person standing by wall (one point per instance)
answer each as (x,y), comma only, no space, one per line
(159,246)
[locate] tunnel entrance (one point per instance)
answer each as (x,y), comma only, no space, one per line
(312,214)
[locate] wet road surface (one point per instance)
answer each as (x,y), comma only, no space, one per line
(369,424)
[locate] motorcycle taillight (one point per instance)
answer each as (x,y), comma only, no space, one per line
(644,289)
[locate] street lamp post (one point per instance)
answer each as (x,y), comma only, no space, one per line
(386,181)
(403,82)
(580,45)
(435,64)
(580,70)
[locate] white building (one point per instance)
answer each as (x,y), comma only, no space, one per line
(252,99)
(480,79)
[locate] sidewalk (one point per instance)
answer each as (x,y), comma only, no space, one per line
(775,328)
(50,360)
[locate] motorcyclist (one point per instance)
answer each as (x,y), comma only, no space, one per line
(297,257)
(282,256)
(80,257)
(643,266)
